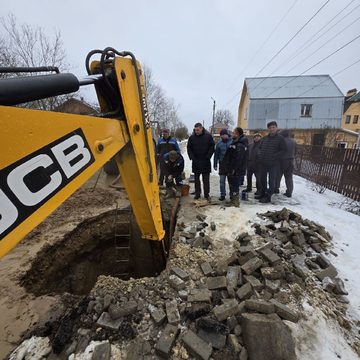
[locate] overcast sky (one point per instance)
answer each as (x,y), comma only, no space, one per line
(202,48)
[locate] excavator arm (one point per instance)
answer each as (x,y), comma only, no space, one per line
(46,156)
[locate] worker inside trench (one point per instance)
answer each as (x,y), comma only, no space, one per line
(107,244)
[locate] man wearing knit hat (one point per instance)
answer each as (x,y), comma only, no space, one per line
(220,150)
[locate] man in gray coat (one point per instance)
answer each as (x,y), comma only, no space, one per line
(287,164)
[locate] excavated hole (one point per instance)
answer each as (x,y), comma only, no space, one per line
(73,264)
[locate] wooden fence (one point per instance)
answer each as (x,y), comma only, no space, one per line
(334,168)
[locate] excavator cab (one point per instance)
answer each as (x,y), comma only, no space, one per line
(46,156)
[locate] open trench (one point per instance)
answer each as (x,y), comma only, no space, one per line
(107,244)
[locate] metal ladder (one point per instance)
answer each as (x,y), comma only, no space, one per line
(122,242)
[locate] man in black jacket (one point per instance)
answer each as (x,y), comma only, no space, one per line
(165,144)
(235,165)
(200,149)
(252,166)
(271,149)
(287,164)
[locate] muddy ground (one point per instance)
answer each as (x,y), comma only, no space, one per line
(23,307)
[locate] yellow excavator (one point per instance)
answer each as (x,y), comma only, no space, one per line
(46,156)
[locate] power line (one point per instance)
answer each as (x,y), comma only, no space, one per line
(264,43)
(292,38)
(311,67)
(314,52)
(307,44)
(279,51)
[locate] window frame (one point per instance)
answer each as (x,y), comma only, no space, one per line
(357,119)
(303,108)
(347,119)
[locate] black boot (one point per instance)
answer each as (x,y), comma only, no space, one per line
(260,196)
(266,199)
(247,190)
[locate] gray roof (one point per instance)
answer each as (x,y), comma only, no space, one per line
(285,87)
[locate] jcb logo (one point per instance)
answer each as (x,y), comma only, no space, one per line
(27,184)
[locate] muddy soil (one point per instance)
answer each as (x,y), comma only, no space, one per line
(21,308)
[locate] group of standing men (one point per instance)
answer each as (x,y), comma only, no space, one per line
(268,158)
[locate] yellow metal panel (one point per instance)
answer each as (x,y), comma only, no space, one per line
(25,132)
(143,192)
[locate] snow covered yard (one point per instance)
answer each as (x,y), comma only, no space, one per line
(317,337)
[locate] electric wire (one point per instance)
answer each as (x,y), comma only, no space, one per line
(283,47)
(264,43)
(307,44)
(314,65)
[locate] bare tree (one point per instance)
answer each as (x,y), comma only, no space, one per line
(162,109)
(28,46)
(182,132)
(225,117)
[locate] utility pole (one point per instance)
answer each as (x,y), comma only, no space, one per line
(213,119)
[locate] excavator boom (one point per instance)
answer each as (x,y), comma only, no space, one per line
(46,156)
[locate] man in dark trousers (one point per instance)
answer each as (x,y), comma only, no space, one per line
(271,149)
(173,168)
(164,145)
(220,150)
(245,141)
(287,164)
(200,149)
(252,166)
(235,165)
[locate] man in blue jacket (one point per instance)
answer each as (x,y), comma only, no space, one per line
(220,150)
(235,165)
(165,144)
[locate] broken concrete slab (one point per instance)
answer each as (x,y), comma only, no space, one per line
(254,282)
(323,261)
(218,282)
(182,274)
(330,272)
(158,315)
(209,323)
(284,311)
(272,285)
(116,311)
(197,346)
(232,276)
(244,292)
(206,268)
(260,306)
(270,256)
(198,295)
(166,341)
(197,309)
(176,283)
(252,265)
(273,273)
(107,322)
(339,287)
(172,312)
(234,343)
(266,337)
(217,341)
(230,308)
(102,351)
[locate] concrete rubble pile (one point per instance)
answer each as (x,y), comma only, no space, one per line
(236,307)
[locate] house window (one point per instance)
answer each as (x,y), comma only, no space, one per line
(348,118)
(356,119)
(306,110)
(342,144)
